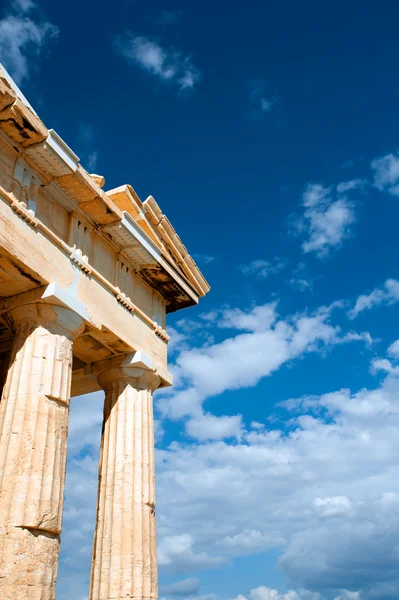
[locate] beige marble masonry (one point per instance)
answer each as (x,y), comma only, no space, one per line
(124,553)
(34,413)
(87,279)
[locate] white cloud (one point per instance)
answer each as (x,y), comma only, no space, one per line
(165,65)
(265,593)
(328,216)
(318,481)
(301,279)
(92,160)
(267,104)
(210,427)
(258,318)
(263,268)
(393,349)
(177,552)
(250,541)
(23,5)
(22,39)
(333,507)
(382,364)
(204,259)
(260,103)
(323,487)
(301,284)
(186,587)
(386,365)
(386,173)
(387,294)
(240,361)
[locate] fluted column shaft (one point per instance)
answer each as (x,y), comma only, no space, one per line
(124,553)
(34,414)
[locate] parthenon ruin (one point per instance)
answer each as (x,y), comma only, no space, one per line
(86,280)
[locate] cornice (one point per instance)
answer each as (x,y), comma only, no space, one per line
(140,229)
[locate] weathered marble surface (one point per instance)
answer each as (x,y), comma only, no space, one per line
(34,415)
(87,278)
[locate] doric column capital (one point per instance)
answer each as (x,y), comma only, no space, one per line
(55,319)
(140,379)
(135,369)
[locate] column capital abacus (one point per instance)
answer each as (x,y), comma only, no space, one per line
(56,319)
(136,369)
(139,378)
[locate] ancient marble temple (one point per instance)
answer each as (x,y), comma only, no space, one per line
(86,280)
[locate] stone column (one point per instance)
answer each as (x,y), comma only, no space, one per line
(124,565)
(34,413)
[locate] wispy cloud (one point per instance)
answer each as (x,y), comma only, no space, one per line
(167,66)
(169,17)
(22,38)
(390,363)
(204,259)
(386,173)
(86,143)
(328,216)
(262,269)
(387,294)
(261,103)
(300,278)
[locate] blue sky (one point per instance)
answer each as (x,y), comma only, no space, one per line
(268,133)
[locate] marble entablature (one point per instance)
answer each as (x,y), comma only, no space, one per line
(87,278)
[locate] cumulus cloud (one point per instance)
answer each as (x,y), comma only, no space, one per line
(264,343)
(323,487)
(387,294)
(265,593)
(167,66)
(262,269)
(177,554)
(332,507)
(23,38)
(210,427)
(259,318)
(250,541)
(328,216)
(386,173)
